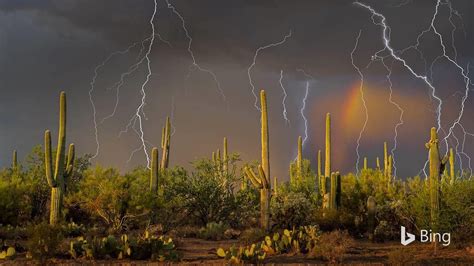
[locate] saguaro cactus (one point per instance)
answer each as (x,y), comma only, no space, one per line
(335,192)
(451,166)
(327,161)
(262,180)
(371,209)
(225,166)
(275,186)
(299,161)
(378,163)
(14,160)
(437,166)
(320,173)
(165,144)
(365,163)
(62,170)
(389,168)
(385,158)
(154,171)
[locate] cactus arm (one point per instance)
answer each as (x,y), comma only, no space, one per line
(264,179)
(226,159)
(48,159)
(154,171)
(15,160)
(70,160)
(252,177)
(59,169)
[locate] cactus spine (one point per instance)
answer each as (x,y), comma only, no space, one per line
(299,163)
(165,144)
(62,169)
(262,180)
(371,207)
(154,171)
(14,160)
(436,169)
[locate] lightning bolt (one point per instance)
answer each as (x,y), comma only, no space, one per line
(361,89)
(285,114)
(249,70)
(303,104)
(400,121)
(194,64)
(424,78)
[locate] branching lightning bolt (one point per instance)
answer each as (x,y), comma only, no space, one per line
(303,105)
(285,114)
(249,70)
(191,53)
(424,78)
(361,89)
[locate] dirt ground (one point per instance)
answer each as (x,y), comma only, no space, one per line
(201,252)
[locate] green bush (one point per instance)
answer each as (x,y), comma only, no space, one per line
(291,209)
(44,241)
(213,231)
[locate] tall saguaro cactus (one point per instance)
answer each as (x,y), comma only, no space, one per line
(299,161)
(335,192)
(15,160)
(385,158)
(225,165)
(327,161)
(62,169)
(437,166)
(165,144)
(262,180)
(451,166)
(154,171)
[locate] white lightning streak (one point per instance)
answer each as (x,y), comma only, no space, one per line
(140,109)
(303,107)
(249,70)
(285,114)
(427,81)
(191,53)
(400,121)
(361,89)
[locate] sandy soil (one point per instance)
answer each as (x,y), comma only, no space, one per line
(201,252)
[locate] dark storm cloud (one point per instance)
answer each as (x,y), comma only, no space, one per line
(50,45)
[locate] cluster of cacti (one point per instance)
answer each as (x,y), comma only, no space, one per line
(437,166)
(141,248)
(221,163)
(262,180)
(155,166)
(63,167)
(331,198)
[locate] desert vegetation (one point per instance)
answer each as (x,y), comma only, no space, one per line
(68,209)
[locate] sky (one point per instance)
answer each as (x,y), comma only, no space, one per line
(198,73)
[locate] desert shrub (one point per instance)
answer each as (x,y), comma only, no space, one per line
(456,208)
(247,208)
(106,195)
(291,209)
(213,231)
(333,245)
(206,195)
(44,241)
(14,200)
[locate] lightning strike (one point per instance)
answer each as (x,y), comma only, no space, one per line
(285,114)
(303,106)
(361,90)
(194,64)
(249,70)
